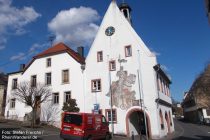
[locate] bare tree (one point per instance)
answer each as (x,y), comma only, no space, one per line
(50,113)
(32,96)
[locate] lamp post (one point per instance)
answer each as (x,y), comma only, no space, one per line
(110,90)
(83,84)
(94,90)
(96,105)
(109,32)
(142,105)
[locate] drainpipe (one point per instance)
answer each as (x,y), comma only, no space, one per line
(110,89)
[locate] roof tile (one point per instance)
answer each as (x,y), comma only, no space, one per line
(60,48)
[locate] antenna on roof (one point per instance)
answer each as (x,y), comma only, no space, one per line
(51,39)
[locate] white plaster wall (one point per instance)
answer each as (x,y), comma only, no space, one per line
(165,97)
(114,47)
(59,62)
(164,131)
(205,114)
(19,111)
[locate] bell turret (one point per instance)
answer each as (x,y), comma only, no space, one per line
(126,10)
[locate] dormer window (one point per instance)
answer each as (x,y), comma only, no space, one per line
(128,51)
(48,62)
(112,65)
(99,56)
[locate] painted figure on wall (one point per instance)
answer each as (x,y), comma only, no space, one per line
(122,94)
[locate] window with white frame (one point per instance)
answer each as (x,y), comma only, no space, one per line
(12,103)
(55,98)
(33,81)
(114,115)
(99,56)
(67,96)
(65,76)
(48,77)
(128,51)
(112,65)
(96,85)
(14,83)
(48,62)
(208,112)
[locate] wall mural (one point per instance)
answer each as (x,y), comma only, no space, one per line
(122,93)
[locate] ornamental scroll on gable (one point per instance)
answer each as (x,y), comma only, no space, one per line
(122,93)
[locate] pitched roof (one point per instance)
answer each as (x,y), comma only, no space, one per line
(57,49)
(60,48)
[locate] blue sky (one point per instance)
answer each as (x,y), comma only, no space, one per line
(178,31)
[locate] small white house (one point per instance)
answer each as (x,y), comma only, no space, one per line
(120,79)
(59,67)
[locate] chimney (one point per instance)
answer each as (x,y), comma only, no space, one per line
(22,66)
(80,51)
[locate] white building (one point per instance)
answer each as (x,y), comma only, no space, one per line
(118,60)
(59,67)
(119,55)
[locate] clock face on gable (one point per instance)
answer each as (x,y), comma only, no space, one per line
(109,31)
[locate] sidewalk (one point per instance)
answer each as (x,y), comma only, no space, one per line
(45,129)
(51,130)
(178,131)
(116,137)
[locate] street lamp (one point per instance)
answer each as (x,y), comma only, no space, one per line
(141,93)
(109,32)
(95,91)
(83,84)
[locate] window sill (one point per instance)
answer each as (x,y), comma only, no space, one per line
(48,84)
(96,91)
(65,83)
(114,122)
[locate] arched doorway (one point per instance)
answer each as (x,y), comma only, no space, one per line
(135,123)
(167,121)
